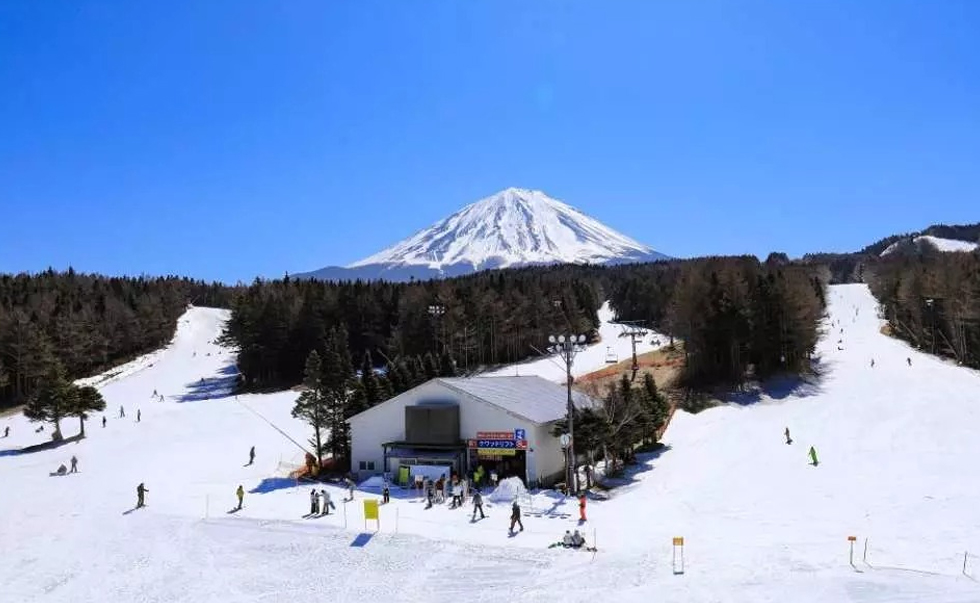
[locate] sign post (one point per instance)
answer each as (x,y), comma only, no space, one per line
(371,512)
(678,555)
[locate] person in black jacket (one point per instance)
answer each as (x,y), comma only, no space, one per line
(515,516)
(140,495)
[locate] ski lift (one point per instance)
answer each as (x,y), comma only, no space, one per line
(611,356)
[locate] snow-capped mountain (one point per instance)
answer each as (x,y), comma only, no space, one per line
(515,227)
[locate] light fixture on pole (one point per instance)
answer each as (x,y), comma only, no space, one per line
(566,346)
(436,311)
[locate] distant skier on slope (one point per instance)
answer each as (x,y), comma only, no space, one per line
(103,421)
(251,455)
(327,503)
(6,431)
(813,456)
(240,493)
(314,508)
(122,412)
(909,360)
(74,465)
(141,495)
(789,440)
(872,363)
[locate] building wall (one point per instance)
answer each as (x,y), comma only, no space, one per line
(386,423)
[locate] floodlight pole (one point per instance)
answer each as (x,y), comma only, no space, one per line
(565,345)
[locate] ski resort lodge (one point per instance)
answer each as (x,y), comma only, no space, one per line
(448,425)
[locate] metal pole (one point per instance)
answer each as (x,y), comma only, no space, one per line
(573,483)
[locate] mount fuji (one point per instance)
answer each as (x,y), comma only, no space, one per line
(515,227)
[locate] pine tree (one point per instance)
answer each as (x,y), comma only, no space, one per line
(430,366)
(447,365)
(338,383)
(384,384)
(4,379)
(369,382)
(86,399)
(311,406)
(52,401)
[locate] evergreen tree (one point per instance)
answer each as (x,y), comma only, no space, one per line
(86,399)
(4,379)
(447,365)
(370,383)
(311,406)
(430,366)
(387,392)
(396,377)
(338,383)
(52,401)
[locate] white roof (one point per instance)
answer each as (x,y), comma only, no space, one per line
(533,398)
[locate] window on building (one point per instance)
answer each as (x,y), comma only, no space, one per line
(367,465)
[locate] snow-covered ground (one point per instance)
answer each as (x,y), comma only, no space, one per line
(612,347)
(944,245)
(896,445)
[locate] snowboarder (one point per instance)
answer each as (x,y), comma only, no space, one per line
(385,494)
(74,465)
(141,495)
(566,541)
(62,470)
(789,440)
(478,506)
(122,412)
(813,456)
(515,517)
(251,455)
(314,508)
(350,487)
(103,421)
(240,493)
(581,506)
(139,415)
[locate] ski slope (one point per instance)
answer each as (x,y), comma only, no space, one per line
(895,444)
(592,358)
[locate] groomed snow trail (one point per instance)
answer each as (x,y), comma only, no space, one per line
(895,444)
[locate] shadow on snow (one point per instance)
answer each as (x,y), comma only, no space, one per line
(775,389)
(49,445)
(271,484)
(211,387)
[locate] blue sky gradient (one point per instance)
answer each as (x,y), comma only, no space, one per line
(230,138)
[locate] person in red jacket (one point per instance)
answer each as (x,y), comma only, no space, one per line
(581,506)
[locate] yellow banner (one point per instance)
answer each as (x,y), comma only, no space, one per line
(678,541)
(496,452)
(370,509)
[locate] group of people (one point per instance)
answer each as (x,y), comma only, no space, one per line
(320,503)
(571,540)
(62,470)
(812,452)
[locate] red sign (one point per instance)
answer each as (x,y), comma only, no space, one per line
(495,435)
(522,444)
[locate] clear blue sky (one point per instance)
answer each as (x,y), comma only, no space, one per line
(225,139)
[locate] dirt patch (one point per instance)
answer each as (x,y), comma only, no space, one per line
(664,364)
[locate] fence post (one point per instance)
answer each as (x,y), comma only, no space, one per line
(396,519)
(965,553)
(345,516)
(864,557)
(207,506)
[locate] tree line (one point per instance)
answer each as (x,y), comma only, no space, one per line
(932,300)
(479,320)
(80,324)
(740,319)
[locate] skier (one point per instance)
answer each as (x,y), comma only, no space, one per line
(515,517)
(581,506)
(350,487)
(478,505)
(122,412)
(140,495)
(251,455)
(314,510)
(578,541)
(139,415)
(872,363)
(385,494)
(103,421)
(813,456)
(327,503)
(74,465)
(155,393)
(789,440)
(240,492)
(909,360)
(6,431)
